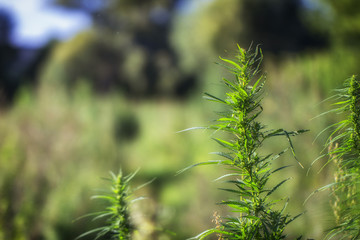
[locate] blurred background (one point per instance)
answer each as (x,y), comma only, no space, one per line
(89,86)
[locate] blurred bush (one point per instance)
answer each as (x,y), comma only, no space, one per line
(56,146)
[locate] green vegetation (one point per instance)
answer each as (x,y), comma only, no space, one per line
(344,151)
(39,155)
(117,212)
(250,173)
(116,95)
(63,165)
(259,216)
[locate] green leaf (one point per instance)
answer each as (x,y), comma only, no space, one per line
(143,185)
(213,162)
(210,97)
(235,203)
(237,66)
(224,143)
(130,176)
(192,128)
(255,85)
(243,93)
(225,155)
(208,233)
(229,84)
(277,186)
(99,216)
(281,168)
(292,148)
(227,175)
(91,232)
(226,120)
(105,197)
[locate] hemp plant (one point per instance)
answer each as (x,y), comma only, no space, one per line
(344,150)
(117,214)
(257,215)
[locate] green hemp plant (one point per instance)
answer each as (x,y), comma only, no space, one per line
(117,214)
(258,216)
(343,147)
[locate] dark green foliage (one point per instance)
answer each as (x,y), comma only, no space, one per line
(344,19)
(279,25)
(259,216)
(128,50)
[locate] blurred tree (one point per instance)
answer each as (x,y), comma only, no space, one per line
(18,66)
(8,57)
(201,34)
(127,49)
(6,26)
(279,25)
(344,21)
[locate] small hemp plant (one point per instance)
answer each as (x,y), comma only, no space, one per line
(343,147)
(117,213)
(258,216)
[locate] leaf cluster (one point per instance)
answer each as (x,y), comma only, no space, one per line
(116,214)
(259,217)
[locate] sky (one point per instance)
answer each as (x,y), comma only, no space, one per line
(188,6)
(37,22)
